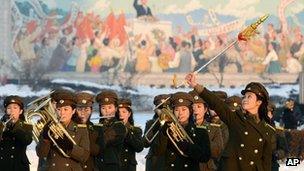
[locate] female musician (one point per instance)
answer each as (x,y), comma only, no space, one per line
(77,153)
(200,109)
(113,132)
(84,109)
(133,142)
(16,136)
(251,139)
(193,153)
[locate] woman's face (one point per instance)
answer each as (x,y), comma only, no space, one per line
(108,110)
(199,111)
(250,102)
(84,114)
(124,114)
(14,111)
(65,113)
(182,113)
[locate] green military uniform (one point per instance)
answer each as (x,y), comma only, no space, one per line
(13,145)
(195,153)
(153,161)
(113,132)
(84,99)
(132,143)
(281,149)
(79,153)
(251,144)
(216,146)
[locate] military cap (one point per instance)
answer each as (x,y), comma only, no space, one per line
(107,97)
(63,98)
(221,94)
(84,99)
(234,102)
(124,103)
(196,97)
(181,99)
(13,99)
(256,88)
(161,98)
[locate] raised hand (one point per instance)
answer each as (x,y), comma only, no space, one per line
(191,80)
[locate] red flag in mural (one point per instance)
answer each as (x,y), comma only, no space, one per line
(121,32)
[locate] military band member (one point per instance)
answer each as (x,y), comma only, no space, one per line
(153,161)
(113,132)
(194,153)
(16,135)
(78,153)
(200,108)
(84,109)
(133,142)
(251,139)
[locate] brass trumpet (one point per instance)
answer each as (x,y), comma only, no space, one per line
(175,132)
(5,121)
(44,109)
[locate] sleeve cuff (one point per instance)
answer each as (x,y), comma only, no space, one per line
(199,88)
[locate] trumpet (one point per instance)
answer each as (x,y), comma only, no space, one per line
(175,132)
(103,117)
(42,111)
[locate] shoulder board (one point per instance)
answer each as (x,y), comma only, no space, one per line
(118,122)
(215,125)
(280,128)
(201,126)
(81,125)
(98,124)
(270,126)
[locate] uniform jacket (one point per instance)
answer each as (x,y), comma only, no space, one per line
(13,145)
(133,143)
(79,154)
(250,145)
(114,133)
(216,146)
(197,152)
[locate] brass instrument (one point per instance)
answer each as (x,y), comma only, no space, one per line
(5,121)
(175,132)
(44,109)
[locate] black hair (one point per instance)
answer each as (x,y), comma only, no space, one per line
(263,109)
(106,41)
(158,52)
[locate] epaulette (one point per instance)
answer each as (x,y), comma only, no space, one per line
(101,125)
(81,125)
(119,122)
(280,128)
(25,123)
(215,125)
(201,126)
(270,126)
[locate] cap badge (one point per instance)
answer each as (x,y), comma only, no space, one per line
(106,99)
(195,97)
(249,88)
(61,101)
(13,101)
(84,101)
(180,100)
(235,104)
(120,105)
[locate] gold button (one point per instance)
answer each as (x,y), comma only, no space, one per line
(54,154)
(1,158)
(172,154)
(185,165)
(73,136)
(194,135)
(1,148)
(251,163)
(246,133)
(256,151)
(126,150)
(67,165)
(242,145)
(13,148)
(12,156)
(85,166)
(53,164)
(125,160)
(172,165)
(260,139)
(240,158)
